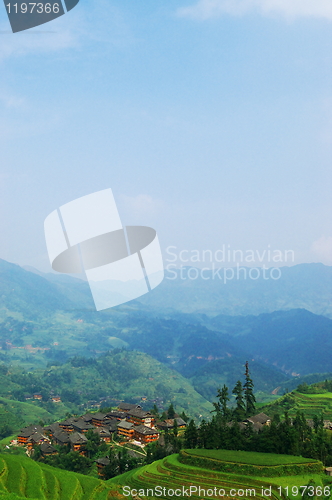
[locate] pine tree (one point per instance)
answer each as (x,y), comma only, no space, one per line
(171,411)
(112,468)
(249,396)
(175,428)
(221,406)
(155,411)
(240,409)
(191,435)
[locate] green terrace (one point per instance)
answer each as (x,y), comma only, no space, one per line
(178,472)
(21,477)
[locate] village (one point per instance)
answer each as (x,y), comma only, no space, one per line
(128,423)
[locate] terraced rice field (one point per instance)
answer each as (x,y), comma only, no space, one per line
(171,474)
(169,478)
(313,404)
(21,477)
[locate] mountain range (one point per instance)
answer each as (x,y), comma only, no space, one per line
(46,319)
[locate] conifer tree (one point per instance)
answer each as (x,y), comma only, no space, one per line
(171,411)
(191,435)
(249,396)
(240,409)
(221,407)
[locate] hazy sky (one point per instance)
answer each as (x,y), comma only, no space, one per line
(210,120)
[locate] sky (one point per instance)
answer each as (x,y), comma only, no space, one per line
(211,121)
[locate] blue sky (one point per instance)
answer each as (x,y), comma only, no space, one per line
(210,120)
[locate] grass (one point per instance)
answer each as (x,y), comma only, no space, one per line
(309,404)
(171,473)
(250,457)
(25,478)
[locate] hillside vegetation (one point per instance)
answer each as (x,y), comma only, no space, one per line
(121,374)
(176,472)
(21,477)
(314,404)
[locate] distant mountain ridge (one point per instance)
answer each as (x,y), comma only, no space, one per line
(304,286)
(51,317)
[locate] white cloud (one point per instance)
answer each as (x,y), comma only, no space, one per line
(205,9)
(141,204)
(322,248)
(35,41)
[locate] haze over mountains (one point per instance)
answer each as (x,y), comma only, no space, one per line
(49,318)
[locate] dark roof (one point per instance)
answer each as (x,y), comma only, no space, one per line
(136,412)
(103,461)
(116,414)
(81,425)
(102,431)
(169,423)
(61,436)
(87,417)
(144,430)
(260,418)
(69,421)
(112,425)
(77,438)
(98,416)
(36,437)
(52,428)
(47,448)
(29,430)
(128,406)
(123,424)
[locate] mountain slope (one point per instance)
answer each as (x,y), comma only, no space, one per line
(119,375)
(307,286)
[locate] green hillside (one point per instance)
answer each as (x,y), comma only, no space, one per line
(21,477)
(175,472)
(121,374)
(309,404)
(17,414)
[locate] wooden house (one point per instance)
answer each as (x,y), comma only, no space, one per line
(51,429)
(126,429)
(77,441)
(101,464)
(47,449)
(140,417)
(260,418)
(98,419)
(61,437)
(104,434)
(118,415)
(35,439)
(145,434)
(168,424)
(67,425)
(128,406)
(81,426)
(26,432)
